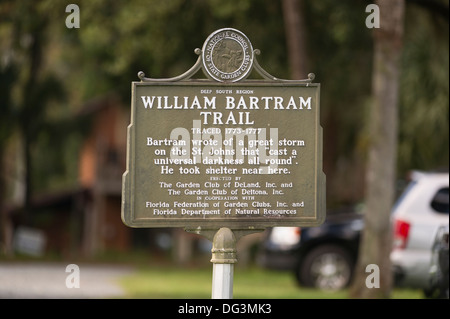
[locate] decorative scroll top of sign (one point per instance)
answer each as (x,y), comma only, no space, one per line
(227,56)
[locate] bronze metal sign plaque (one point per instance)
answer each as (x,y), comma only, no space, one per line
(224,153)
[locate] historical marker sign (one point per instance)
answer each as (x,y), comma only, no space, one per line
(226,152)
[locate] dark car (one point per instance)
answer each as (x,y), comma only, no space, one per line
(439,265)
(323,257)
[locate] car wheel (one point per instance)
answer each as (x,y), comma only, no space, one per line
(327,267)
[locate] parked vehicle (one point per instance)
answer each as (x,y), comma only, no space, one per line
(418,214)
(439,264)
(325,256)
(322,257)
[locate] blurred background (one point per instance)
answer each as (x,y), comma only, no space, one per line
(65,101)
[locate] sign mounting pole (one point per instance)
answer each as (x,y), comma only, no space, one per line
(223,259)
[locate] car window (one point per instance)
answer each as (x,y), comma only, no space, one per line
(410,186)
(440,202)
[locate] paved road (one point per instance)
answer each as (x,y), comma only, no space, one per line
(48,280)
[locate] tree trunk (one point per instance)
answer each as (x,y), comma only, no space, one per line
(295,38)
(5,224)
(376,245)
(30,111)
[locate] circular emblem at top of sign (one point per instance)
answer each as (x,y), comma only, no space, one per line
(227,55)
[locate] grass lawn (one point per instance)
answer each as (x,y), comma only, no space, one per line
(252,283)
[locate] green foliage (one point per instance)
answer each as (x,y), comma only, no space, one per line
(117,39)
(340,50)
(424,126)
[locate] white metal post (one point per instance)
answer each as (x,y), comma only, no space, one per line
(222,286)
(223,259)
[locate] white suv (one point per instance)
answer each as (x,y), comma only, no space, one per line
(417,216)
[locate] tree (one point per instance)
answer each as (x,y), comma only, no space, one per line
(7,73)
(295,38)
(375,246)
(29,87)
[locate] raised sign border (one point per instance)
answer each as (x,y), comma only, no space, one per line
(129,185)
(128,182)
